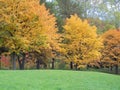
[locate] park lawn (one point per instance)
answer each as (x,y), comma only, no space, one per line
(57,80)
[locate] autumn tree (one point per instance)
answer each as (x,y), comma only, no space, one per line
(81,44)
(13,24)
(51,45)
(26,26)
(111,50)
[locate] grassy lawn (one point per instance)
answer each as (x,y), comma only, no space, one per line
(57,80)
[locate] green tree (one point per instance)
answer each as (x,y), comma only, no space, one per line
(65,8)
(102,26)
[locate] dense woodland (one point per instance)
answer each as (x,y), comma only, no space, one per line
(60,34)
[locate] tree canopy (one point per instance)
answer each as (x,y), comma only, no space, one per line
(80,41)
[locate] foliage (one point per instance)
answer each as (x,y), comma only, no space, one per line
(80,41)
(111,50)
(5,61)
(27,26)
(25,23)
(102,26)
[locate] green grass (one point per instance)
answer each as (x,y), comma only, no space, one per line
(57,80)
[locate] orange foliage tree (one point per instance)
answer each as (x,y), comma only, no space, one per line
(111,51)
(26,26)
(81,44)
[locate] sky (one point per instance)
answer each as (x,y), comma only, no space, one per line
(49,0)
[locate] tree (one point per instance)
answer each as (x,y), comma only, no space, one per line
(111,50)
(42,1)
(63,9)
(14,21)
(26,26)
(114,12)
(80,42)
(101,25)
(69,7)
(108,10)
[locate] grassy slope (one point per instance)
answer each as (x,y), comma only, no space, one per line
(58,80)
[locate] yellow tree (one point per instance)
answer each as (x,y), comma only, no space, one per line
(80,42)
(111,50)
(26,26)
(48,26)
(14,21)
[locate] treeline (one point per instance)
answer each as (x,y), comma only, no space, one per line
(67,34)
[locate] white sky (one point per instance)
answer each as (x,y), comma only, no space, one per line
(49,0)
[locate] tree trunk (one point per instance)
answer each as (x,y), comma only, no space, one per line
(76,65)
(45,66)
(53,66)
(13,57)
(116,69)
(0,62)
(38,64)
(111,68)
(71,65)
(21,62)
(87,66)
